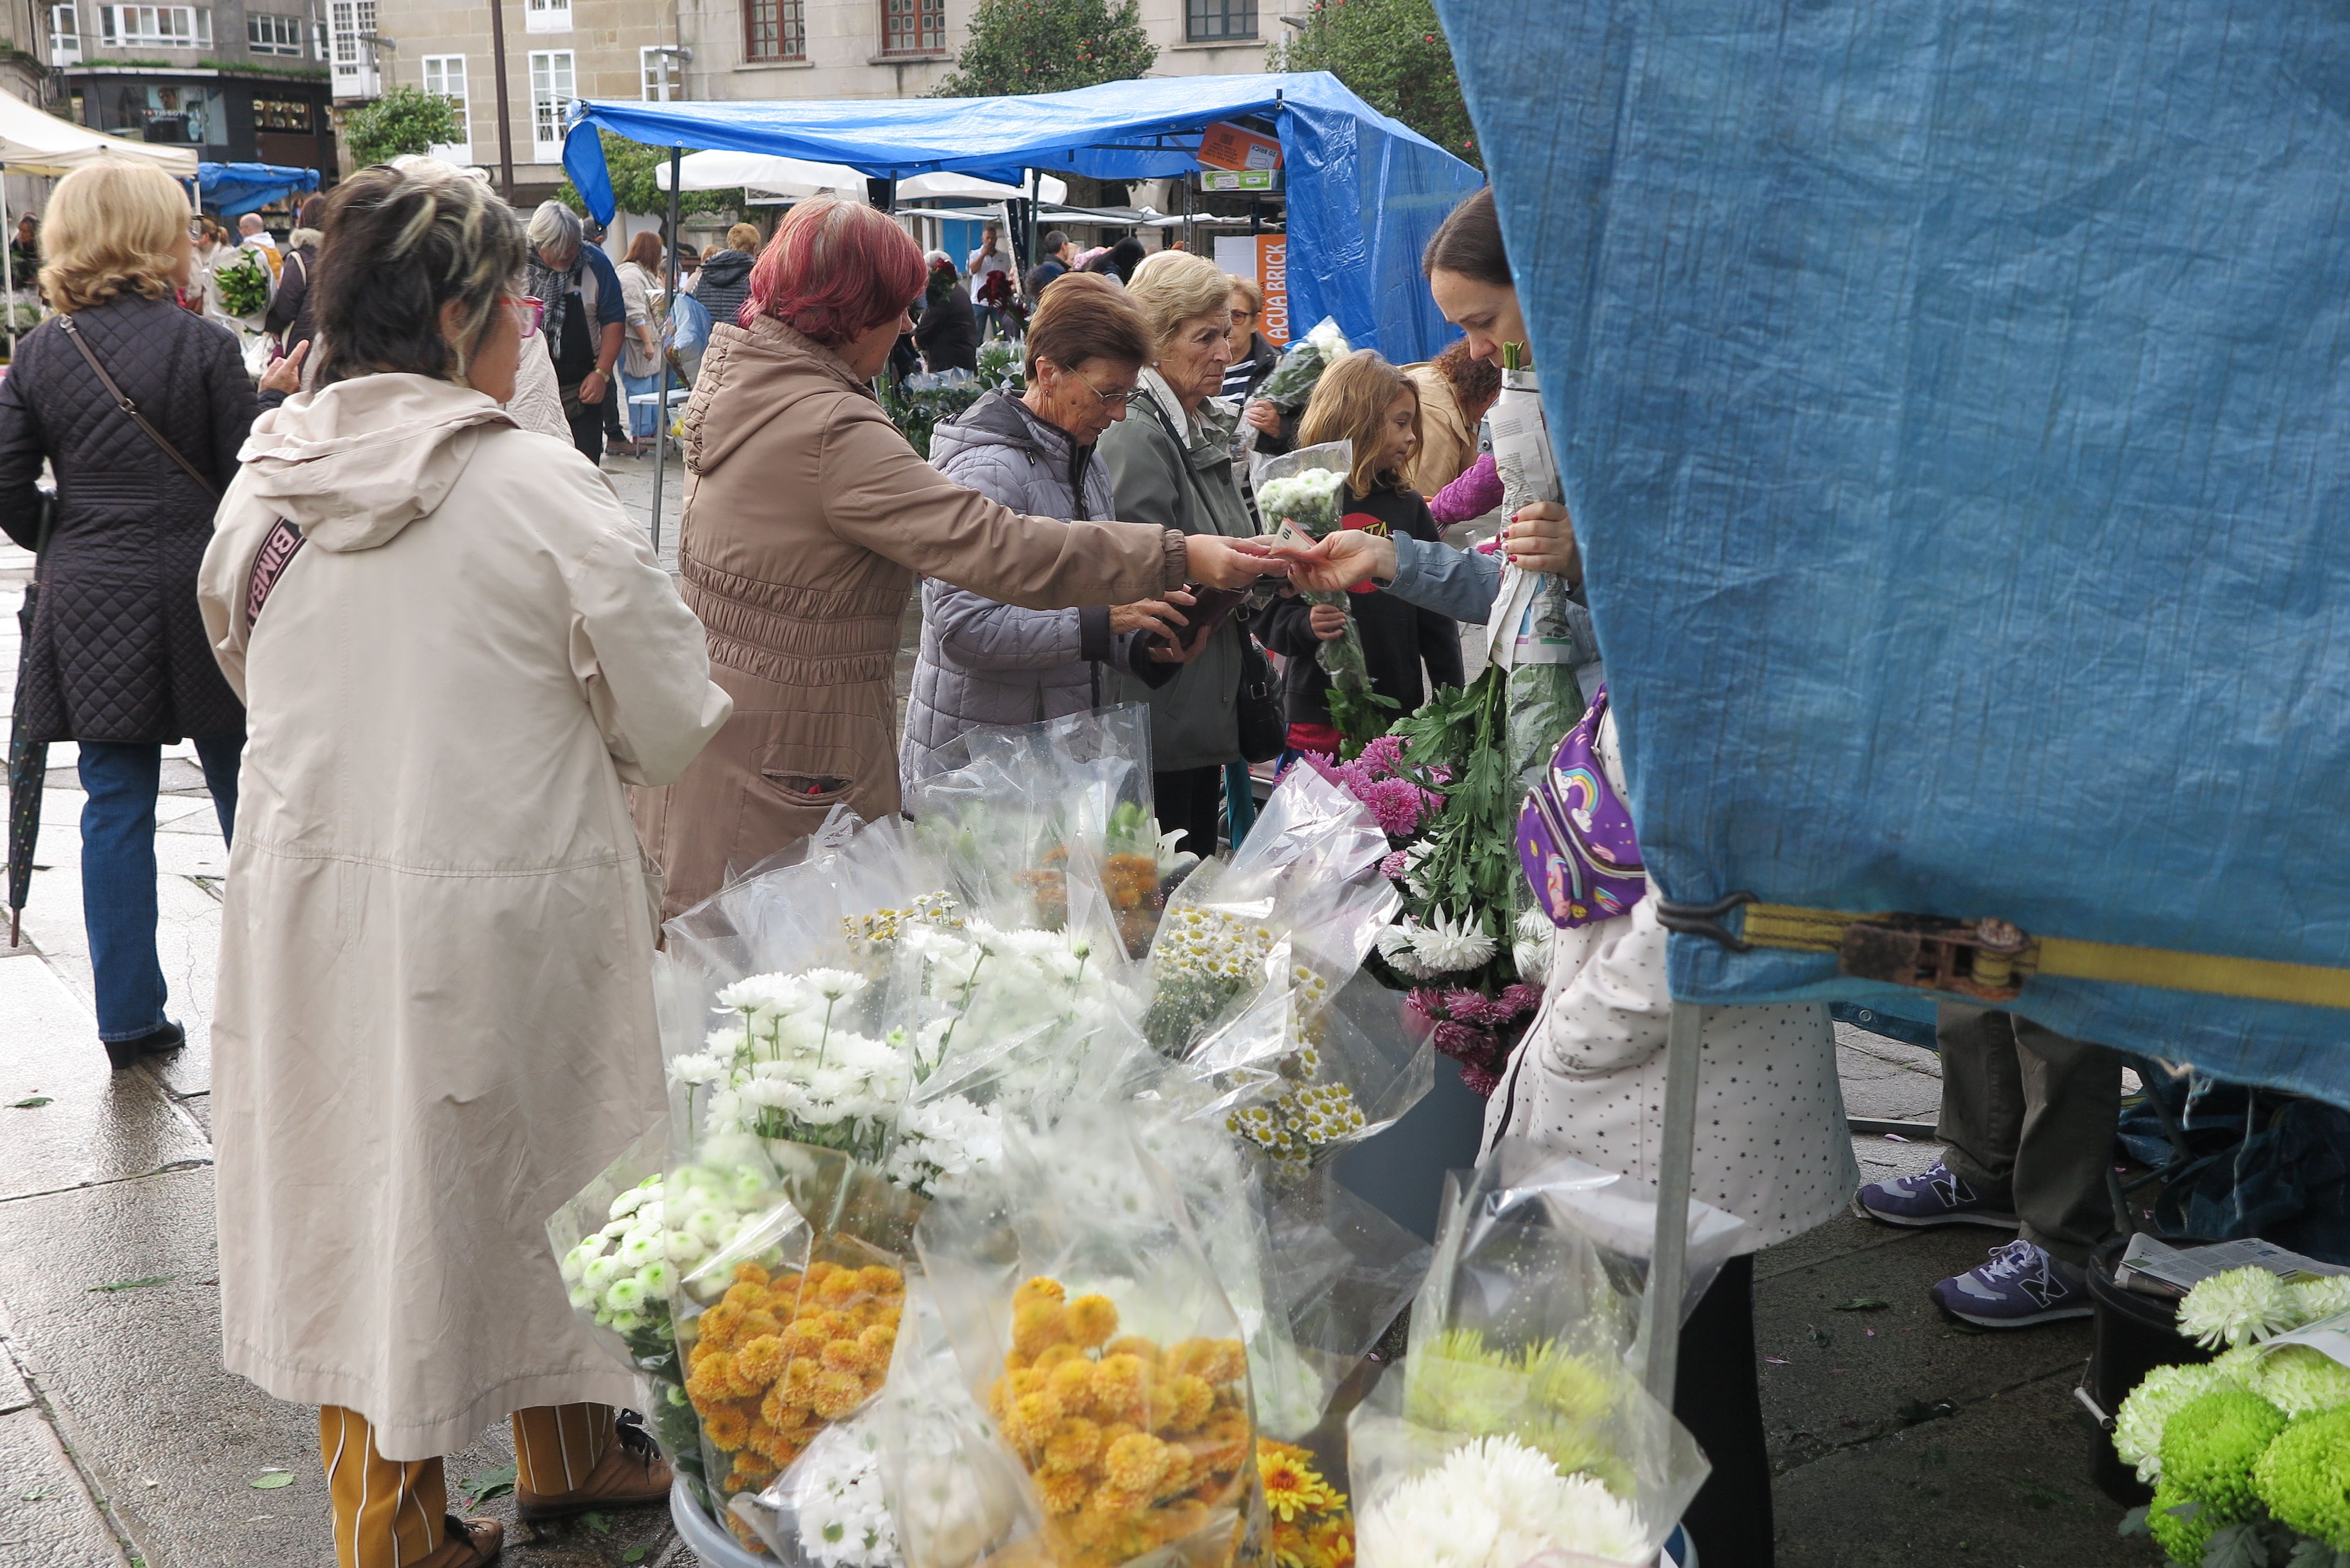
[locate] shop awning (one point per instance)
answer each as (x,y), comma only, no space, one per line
(35,142)
(233,190)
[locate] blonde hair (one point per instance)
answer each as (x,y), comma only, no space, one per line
(112,229)
(1251,294)
(744,237)
(1350,402)
(1176,287)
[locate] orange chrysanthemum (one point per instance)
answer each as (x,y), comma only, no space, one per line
(1133,1345)
(751,1274)
(844,1355)
(1031,1421)
(712,1380)
(1073,1447)
(1091,1319)
(1058,1355)
(837,1394)
(1135,1463)
(1038,1326)
(757,1323)
(720,1323)
(1040,1289)
(726,1427)
(1063,1491)
(759,1362)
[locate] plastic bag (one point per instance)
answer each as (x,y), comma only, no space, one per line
(1292,382)
(1090,1325)
(1306,490)
(1519,1410)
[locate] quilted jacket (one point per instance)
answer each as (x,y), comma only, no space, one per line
(987,663)
(118,650)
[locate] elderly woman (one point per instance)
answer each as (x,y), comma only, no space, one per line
(1171,462)
(985,663)
(116,659)
(586,315)
(435,1017)
(807,519)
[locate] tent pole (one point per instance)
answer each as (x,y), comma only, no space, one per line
(506,128)
(1669,1255)
(9,259)
(1035,200)
(660,380)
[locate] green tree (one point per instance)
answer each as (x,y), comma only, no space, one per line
(1019,47)
(404,121)
(636,190)
(1392,54)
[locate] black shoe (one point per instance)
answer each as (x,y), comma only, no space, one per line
(154,1042)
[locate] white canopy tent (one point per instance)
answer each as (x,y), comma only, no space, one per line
(948,187)
(793,179)
(34,142)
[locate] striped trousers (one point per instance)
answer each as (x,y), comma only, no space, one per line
(388,1513)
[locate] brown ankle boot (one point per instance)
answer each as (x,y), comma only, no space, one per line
(471,1542)
(631,1474)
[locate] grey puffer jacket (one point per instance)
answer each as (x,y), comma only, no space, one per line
(986,663)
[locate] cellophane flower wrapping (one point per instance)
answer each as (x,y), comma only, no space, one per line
(1090,1326)
(1290,384)
(1304,494)
(621,1260)
(1518,1424)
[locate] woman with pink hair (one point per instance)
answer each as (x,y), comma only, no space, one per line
(807,520)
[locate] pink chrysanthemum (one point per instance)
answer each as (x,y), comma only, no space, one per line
(1469,1006)
(1394,867)
(1394,805)
(1480,1083)
(1516,1001)
(1463,1042)
(1426,1002)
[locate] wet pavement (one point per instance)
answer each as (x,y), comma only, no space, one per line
(1898,1436)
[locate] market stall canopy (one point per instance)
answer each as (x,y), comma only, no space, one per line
(1363,191)
(34,142)
(722,171)
(233,190)
(946,187)
(1962,478)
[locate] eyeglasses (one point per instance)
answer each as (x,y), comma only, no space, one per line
(1109,399)
(529,312)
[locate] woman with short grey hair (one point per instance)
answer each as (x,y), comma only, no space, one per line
(584,318)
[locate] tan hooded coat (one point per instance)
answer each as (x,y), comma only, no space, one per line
(435,1018)
(807,518)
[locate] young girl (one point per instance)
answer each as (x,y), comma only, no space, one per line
(1365,400)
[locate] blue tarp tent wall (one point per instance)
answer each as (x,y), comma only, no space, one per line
(1363,191)
(233,190)
(1954,399)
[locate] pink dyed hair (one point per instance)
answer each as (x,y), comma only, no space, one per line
(834,269)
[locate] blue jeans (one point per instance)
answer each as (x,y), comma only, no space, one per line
(118,871)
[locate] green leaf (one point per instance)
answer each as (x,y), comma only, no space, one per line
(489,1484)
(132,1284)
(270,1480)
(38,1494)
(1017,46)
(1863,1303)
(2135,1522)
(31,1103)
(633,1554)
(596,1523)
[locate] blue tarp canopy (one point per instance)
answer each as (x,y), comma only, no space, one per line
(233,190)
(1363,191)
(1953,406)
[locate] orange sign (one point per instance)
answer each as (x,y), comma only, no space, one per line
(1226,146)
(1265,258)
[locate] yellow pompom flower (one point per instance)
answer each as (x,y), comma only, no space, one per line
(1134,1463)
(1330,1543)
(1038,1326)
(759,1362)
(719,1324)
(751,1274)
(1056,1356)
(1040,1289)
(881,1281)
(725,1426)
(711,1381)
(1072,1383)
(799,1382)
(757,1323)
(842,1289)
(1113,1502)
(1182,1471)
(844,1355)
(1031,1421)
(745,1295)
(1091,1319)
(750,1473)
(779,1412)
(800,1340)
(819,1272)
(1063,1491)
(1074,1445)
(1132,1345)
(1027,1380)
(1227,1359)
(1119,1386)
(836,1393)
(1193,1399)
(880,1343)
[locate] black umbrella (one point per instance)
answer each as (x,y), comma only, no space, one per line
(28,761)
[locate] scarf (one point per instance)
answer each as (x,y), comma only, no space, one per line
(1575,843)
(548,284)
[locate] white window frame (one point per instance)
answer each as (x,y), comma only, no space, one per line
(554,83)
(657,74)
(65,34)
(445,75)
(156,26)
(351,49)
(284,34)
(546,16)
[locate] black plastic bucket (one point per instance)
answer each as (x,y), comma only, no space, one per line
(2135,1335)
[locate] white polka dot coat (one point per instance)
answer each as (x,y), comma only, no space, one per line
(1588,1080)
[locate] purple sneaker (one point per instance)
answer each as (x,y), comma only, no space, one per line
(1935,1197)
(2018,1287)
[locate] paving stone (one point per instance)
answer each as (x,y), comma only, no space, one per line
(47,1519)
(98,1125)
(1885,1079)
(16,1394)
(2002,1481)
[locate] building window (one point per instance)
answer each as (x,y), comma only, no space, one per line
(913,26)
(268,33)
(657,74)
(282,114)
(350,33)
(1213,21)
(551,88)
(547,16)
(65,35)
(156,26)
(444,77)
(774,30)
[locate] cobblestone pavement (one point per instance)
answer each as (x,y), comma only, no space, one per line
(1896,1438)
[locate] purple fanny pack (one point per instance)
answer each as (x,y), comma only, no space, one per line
(1575,837)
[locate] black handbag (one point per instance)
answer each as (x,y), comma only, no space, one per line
(1263,731)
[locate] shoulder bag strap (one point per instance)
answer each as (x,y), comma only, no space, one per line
(66,324)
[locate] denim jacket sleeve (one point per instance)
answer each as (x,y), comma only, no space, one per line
(1456,582)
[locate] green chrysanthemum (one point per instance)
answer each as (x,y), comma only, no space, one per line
(2305,1477)
(2179,1524)
(2300,1381)
(2137,1425)
(2209,1448)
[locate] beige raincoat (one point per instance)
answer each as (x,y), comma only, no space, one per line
(436,1018)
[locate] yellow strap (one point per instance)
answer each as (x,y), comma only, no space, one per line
(1795,929)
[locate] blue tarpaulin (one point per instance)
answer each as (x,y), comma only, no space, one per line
(233,190)
(1953,407)
(1363,191)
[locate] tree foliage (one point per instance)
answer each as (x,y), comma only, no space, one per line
(636,190)
(1019,47)
(405,120)
(1392,54)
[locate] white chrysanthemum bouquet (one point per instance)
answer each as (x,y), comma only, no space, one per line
(1303,495)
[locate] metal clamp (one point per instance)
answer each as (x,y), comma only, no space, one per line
(1705,919)
(1986,959)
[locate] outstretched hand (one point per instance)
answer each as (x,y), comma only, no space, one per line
(1221,563)
(1340,561)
